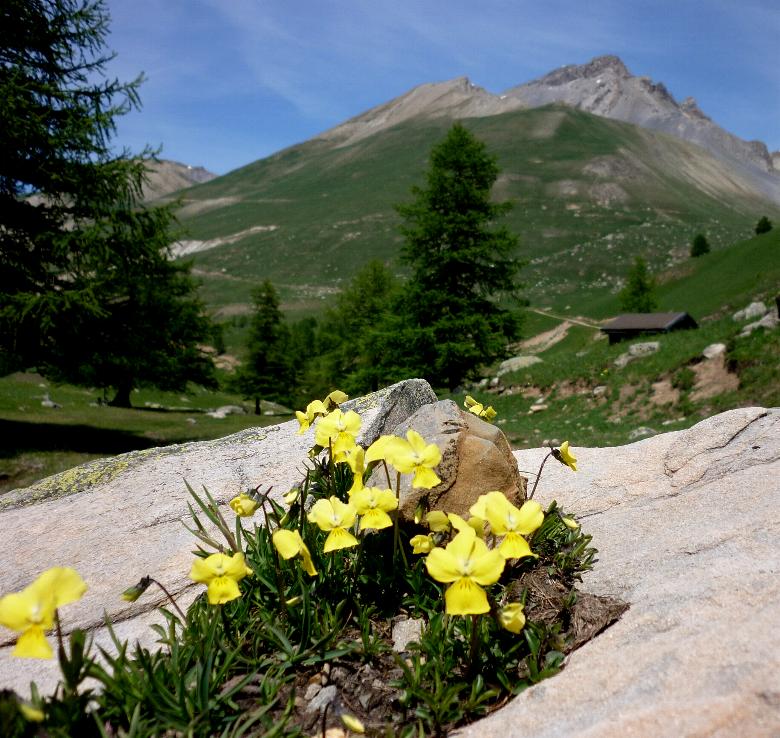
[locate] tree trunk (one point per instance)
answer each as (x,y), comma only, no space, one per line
(257,406)
(122,396)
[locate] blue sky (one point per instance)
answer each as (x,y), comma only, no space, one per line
(232,81)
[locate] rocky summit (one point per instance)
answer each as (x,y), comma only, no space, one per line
(686,524)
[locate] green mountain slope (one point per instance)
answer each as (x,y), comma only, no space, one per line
(589,193)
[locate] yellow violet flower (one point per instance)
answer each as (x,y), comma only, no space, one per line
(356,459)
(352,723)
(467,562)
(244,506)
(292,496)
(512,617)
(488,413)
(221,573)
(338,430)
(313,410)
(373,504)
(334,399)
(570,523)
(475,523)
(438,521)
(422,544)
(335,516)
(565,456)
(376,450)
(512,523)
(413,455)
(31,611)
(290,544)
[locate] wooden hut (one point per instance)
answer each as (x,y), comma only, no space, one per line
(632,325)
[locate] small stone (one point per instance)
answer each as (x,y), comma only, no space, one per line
(754,310)
(641,432)
(312,691)
(405,632)
(494,382)
(322,699)
(599,391)
(537,408)
(713,350)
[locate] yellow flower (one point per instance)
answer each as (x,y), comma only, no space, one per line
(290,544)
(31,611)
(376,450)
(292,496)
(352,723)
(570,523)
(335,516)
(313,410)
(33,714)
(437,521)
(338,430)
(488,413)
(221,573)
(506,520)
(474,523)
(512,617)
(414,455)
(334,399)
(356,459)
(565,456)
(373,504)
(244,506)
(422,544)
(468,563)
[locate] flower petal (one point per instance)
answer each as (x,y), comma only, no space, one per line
(222,590)
(464,597)
(512,617)
(437,521)
(339,538)
(375,519)
(530,517)
(443,566)
(487,569)
(62,583)
(32,644)
(287,542)
(425,478)
(514,546)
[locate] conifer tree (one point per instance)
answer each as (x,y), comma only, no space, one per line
(764,225)
(699,245)
(638,296)
(83,263)
(267,373)
(451,318)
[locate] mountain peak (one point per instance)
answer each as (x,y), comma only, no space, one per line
(609,65)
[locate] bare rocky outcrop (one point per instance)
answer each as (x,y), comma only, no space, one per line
(686,524)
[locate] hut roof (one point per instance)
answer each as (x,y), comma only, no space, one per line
(646,322)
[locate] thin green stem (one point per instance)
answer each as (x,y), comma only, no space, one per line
(474,649)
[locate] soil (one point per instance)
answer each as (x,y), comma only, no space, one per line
(713,378)
(664,393)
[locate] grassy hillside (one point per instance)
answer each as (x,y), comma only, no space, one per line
(589,193)
(673,388)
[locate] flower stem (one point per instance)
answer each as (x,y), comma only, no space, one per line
(474,650)
(170,597)
(539,475)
